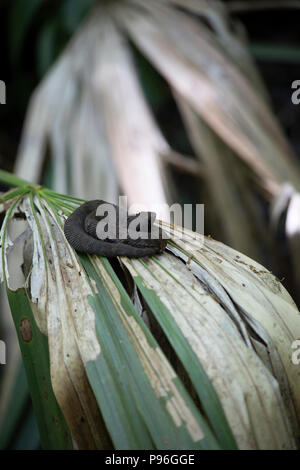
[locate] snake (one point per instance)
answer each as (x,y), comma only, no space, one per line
(80,230)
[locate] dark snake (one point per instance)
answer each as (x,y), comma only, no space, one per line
(81,232)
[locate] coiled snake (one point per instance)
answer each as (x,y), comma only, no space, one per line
(81,232)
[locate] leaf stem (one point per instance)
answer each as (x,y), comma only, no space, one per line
(13,180)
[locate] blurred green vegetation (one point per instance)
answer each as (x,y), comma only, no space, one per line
(32,34)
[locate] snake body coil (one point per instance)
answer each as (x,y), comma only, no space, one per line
(81,232)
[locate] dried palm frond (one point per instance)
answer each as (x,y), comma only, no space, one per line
(91,111)
(212,368)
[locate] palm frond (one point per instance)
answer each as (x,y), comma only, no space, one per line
(215,360)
